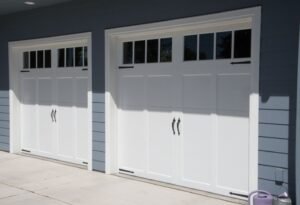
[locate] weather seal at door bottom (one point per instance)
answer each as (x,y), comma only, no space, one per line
(240,195)
(127,171)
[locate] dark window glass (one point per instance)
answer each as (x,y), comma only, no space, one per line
(139,52)
(152,51)
(127,53)
(242,43)
(190,47)
(70,57)
(61,57)
(223,49)
(79,56)
(40,59)
(166,50)
(206,46)
(25,60)
(47,58)
(85,56)
(33,59)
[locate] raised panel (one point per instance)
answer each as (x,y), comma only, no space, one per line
(198,91)
(233,92)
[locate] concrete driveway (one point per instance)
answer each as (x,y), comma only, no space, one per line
(31,181)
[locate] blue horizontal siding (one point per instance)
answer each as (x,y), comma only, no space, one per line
(269,185)
(98,127)
(4,120)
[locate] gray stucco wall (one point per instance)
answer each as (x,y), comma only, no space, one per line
(278,69)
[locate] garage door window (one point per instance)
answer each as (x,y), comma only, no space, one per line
(242,43)
(147,51)
(206,46)
(72,57)
(37,59)
(166,50)
(223,47)
(152,51)
(190,47)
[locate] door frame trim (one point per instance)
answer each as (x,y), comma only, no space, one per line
(111,93)
(14,92)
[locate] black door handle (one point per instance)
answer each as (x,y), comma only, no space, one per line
(55,116)
(52,115)
(178,124)
(173,123)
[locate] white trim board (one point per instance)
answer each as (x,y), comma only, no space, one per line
(111,36)
(15,104)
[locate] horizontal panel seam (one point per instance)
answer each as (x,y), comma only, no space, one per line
(270,123)
(273,109)
(270,151)
(102,141)
(277,138)
(268,165)
(95,160)
(271,180)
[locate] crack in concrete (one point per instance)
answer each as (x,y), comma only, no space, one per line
(33,192)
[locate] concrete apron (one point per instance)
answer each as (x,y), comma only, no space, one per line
(27,180)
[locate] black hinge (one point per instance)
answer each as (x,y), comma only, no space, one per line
(240,195)
(85,163)
(241,62)
(127,171)
(25,71)
(24,150)
(84,69)
(126,67)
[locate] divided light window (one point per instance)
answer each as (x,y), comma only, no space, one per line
(37,59)
(203,46)
(147,51)
(72,57)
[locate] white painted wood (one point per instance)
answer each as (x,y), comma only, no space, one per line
(225,107)
(49,138)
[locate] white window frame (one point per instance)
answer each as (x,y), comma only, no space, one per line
(111,63)
(14,92)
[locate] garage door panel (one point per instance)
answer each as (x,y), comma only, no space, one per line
(29,91)
(160,91)
(233,152)
(132,140)
(65,117)
(132,91)
(233,92)
(196,142)
(29,113)
(198,91)
(160,145)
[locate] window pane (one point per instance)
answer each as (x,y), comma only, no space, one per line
(33,59)
(127,52)
(152,51)
(85,56)
(40,59)
(47,58)
(25,60)
(206,46)
(70,57)
(61,57)
(190,47)
(223,49)
(139,52)
(79,56)
(242,43)
(166,50)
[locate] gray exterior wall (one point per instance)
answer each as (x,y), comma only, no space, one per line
(4,120)
(278,68)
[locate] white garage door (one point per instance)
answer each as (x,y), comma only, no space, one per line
(54,115)
(184,107)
